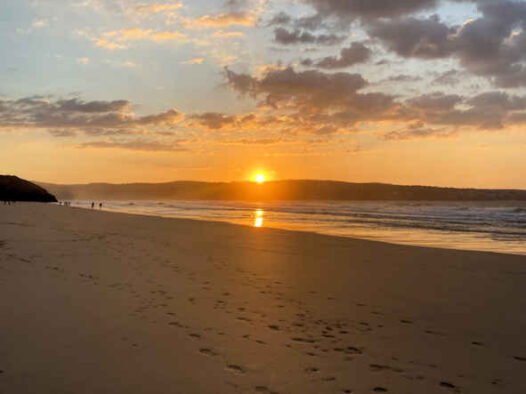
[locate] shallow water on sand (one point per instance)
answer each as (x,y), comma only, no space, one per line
(486,226)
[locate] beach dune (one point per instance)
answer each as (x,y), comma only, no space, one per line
(99,302)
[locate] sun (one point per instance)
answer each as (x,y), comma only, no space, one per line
(260,178)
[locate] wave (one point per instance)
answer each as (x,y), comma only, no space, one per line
(459,225)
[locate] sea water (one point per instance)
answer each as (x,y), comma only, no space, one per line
(485,226)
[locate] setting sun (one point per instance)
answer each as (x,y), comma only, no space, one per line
(260,178)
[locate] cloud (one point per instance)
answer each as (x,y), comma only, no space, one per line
(356,53)
(213,120)
(226,19)
(492,45)
(90,117)
(309,89)
(403,78)
(107,44)
(285,37)
(77,105)
(129,64)
(168,118)
(136,145)
(39,23)
(281,18)
(310,22)
(418,131)
(489,110)
(227,34)
(448,78)
(131,7)
(118,39)
(435,102)
(155,8)
(352,9)
(243,13)
(239,123)
(322,103)
(256,141)
(312,101)
(62,133)
(423,38)
(196,60)
(137,34)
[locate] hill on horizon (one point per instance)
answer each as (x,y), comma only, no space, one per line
(13,188)
(288,190)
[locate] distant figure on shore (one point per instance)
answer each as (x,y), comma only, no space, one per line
(92,205)
(100,205)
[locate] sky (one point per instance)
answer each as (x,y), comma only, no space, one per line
(425,92)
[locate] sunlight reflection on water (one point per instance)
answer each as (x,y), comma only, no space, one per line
(258,217)
(487,226)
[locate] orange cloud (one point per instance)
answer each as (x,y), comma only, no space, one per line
(223,20)
(197,60)
(227,34)
(157,7)
(116,39)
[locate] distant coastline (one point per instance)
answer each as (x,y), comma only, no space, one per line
(288,190)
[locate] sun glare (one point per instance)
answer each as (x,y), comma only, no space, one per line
(260,178)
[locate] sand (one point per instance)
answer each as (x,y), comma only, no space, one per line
(98,302)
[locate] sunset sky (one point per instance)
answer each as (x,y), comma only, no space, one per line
(409,92)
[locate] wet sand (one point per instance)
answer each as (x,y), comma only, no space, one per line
(98,302)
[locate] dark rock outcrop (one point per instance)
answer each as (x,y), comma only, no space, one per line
(12,188)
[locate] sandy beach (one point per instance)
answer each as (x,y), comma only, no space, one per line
(98,302)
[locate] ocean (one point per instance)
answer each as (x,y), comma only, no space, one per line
(484,226)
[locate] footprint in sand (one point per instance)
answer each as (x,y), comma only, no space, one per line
(208,352)
(437,333)
(448,385)
(303,340)
(378,368)
(496,382)
(353,350)
(264,389)
(236,369)
(380,390)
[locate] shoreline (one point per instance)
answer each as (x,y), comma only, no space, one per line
(97,301)
(311,231)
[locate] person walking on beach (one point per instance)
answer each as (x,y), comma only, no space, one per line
(92,205)
(100,205)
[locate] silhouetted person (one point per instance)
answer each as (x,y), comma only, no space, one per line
(92,205)
(100,205)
